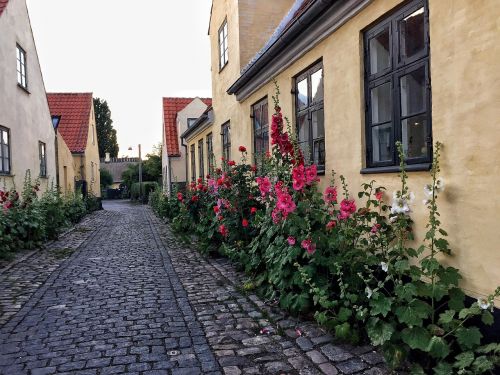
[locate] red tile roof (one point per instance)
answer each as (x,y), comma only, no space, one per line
(3,5)
(74,109)
(171,106)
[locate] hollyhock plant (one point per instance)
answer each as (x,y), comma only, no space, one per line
(309,246)
(330,195)
(291,240)
(347,208)
(331,224)
(180,197)
(264,185)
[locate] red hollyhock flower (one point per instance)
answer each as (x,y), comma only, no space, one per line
(253,168)
(253,210)
(379,194)
(216,209)
(223,230)
(244,222)
(194,198)
(242,149)
(331,224)
(180,197)
(199,180)
(231,163)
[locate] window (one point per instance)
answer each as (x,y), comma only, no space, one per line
(201,159)
(310,117)
(4,151)
(21,67)
(210,154)
(226,141)
(397,88)
(223,53)
(43,159)
(93,135)
(260,130)
(92,175)
(193,163)
(191,121)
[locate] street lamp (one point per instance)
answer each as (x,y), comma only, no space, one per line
(140,171)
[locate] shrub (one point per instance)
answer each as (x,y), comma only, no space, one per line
(146,189)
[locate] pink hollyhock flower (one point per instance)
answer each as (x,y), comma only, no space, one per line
(308,245)
(244,222)
(242,149)
(331,224)
(330,195)
(264,185)
(285,203)
(347,208)
(375,228)
(194,198)
(291,240)
(298,178)
(276,215)
(180,197)
(311,174)
(223,230)
(379,194)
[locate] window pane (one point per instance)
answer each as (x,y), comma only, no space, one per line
(319,152)
(317,86)
(5,151)
(302,96)
(414,134)
(412,34)
(303,128)
(381,143)
(5,137)
(380,56)
(257,117)
(381,103)
(413,92)
(318,124)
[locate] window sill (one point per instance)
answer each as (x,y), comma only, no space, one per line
(397,169)
(24,89)
(6,175)
(44,177)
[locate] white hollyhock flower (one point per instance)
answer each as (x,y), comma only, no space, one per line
(411,197)
(428,190)
(400,206)
(483,303)
(426,202)
(368,292)
(385,266)
(440,185)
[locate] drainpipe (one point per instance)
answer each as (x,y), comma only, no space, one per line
(185,158)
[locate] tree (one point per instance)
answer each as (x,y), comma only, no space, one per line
(106,134)
(106,178)
(151,169)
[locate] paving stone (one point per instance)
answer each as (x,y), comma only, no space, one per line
(304,343)
(351,366)
(335,353)
(316,357)
(328,369)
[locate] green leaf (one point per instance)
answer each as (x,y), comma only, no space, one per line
(401,265)
(487,318)
(464,360)
(438,348)
(406,291)
(413,313)
(457,298)
(482,364)
(468,338)
(379,331)
(443,368)
(380,305)
(490,348)
(449,276)
(416,338)
(416,370)
(446,317)
(344,314)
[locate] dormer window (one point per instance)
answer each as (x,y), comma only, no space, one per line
(223,53)
(191,121)
(21,67)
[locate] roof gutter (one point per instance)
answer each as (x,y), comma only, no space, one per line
(316,9)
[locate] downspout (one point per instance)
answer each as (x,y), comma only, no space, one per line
(185,158)
(56,144)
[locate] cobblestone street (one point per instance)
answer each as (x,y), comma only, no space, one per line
(120,294)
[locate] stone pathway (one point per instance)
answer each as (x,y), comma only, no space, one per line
(131,299)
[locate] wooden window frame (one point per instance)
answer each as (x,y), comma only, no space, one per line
(193,162)
(312,106)
(210,153)
(226,140)
(264,129)
(3,171)
(42,155)
(21,67)
(201,160)
(223,45)
(399,66)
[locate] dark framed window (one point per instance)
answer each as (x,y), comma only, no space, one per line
(223,50)
(260,120)
(210,154)
(193,163)
(226,140)
(201,159)
(397,88)
(191,121)
(42,153)
(4,150)
(21,67)
(309,115)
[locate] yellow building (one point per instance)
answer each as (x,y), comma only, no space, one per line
(358,75)
(73,113)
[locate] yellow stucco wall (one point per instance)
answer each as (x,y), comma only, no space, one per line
(92,160)
(66,168)
(465,77)
(193,140)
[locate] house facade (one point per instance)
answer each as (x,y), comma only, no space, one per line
(75,118)
(27,137)
(357,76)
(178,115)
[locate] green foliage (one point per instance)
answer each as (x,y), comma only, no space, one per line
(106,134)
(143,190)
(106,178)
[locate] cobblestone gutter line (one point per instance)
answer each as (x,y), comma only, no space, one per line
(233,323)
(21,278)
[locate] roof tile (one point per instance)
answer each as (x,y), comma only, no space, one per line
(171,106)
(74,109)
(3,5)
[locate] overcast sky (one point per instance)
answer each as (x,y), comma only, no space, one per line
(131,53)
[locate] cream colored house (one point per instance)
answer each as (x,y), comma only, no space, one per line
(76,125)
(179,114)
(358,75)
(27,138)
